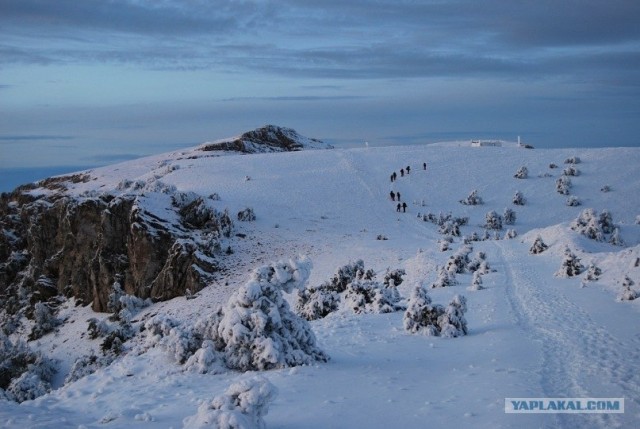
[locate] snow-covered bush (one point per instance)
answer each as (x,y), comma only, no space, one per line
(509,216)
(479,263)
(178,341)
(493,220)
(393,277)
(97,328)
(615,238)
(573,201)
(314,303)
(452,323)
(518,199)
(443,244)
(458,262)
(243,406)
(369,296)
(628,294)
(86,365)
(605,188)
(450,228)
(44,321)
(522,173)
(24,374)
(472,199)
(256,330)
(595,227)
(572,160)
(510,234)
(124,306)
(538,246)
(445,278)
(246,215)
(476,281)
(205,360)
(592,273)
(571,170)
(571,265)
(553,165)
(430,319)
(563,185)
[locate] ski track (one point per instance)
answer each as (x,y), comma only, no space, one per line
(580,357)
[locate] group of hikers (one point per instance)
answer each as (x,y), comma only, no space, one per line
(395,196)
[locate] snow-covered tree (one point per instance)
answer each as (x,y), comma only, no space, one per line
(445,278)
(563,185)
(476,282)
(573,201)
(452,322)
(595,227)
(510,234)
(592,273)
(571,170)
(493,220)
(44,321)
(314,303)
(573,160)
(605,188)
(518,199)
(85,365)
(421,316)
(256,330)
(369,296)
(393,278)
(242,406)
(628,294)
(472,199)
(571,265)
(509,216)
(522,173)
(246,215)
(457,263)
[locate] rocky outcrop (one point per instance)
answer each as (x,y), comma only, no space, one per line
(269,138)
(81,245)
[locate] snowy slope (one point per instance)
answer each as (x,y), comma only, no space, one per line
(531,334)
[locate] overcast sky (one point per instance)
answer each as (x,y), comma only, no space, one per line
(86,82)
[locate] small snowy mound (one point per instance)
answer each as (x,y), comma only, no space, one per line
(242,406)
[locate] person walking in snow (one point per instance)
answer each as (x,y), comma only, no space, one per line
(408,169)
(398,195)
(392,176)
(398,207)
(402,172)
(424,166)
(393,195)
(404,207)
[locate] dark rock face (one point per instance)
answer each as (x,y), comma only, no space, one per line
(269,138)
(80,246)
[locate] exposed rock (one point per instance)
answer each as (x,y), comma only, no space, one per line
(269,138)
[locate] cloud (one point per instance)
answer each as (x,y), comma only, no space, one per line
(34,137)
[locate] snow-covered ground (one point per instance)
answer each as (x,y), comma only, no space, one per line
(531,333)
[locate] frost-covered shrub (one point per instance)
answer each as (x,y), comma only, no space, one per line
(24,374)
(572,160)
(452,323)
(628,294)
(510,234)
(393,278)
(256,330)
(124,306)
(472,199)
(369,296)
(477,263)
(592,273)
(572,170)
(205,360)
(596,227)
(450,228)
(509,216)
(443,244)
(458,262)
(615,238)
(571,265)
(552,165)
(605,188)
(563,185)
(518,199)
(243,406)
(246,215)
(86,365)
(476,281)
(445,278)
(44,321)
(178,341)
(97,328)
(538,246)
(573,201)
(430,319)
(522,173)
(315,303)
(493,220)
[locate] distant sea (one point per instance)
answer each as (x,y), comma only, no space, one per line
(10,178)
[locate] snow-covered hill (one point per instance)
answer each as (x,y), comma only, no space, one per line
(531,333)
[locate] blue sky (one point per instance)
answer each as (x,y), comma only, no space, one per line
(89,82)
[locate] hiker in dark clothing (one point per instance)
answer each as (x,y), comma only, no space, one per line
(408,169)
(404,207)
(424,166)
(393,195)
(398,207)
(402,172)
(398,195)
